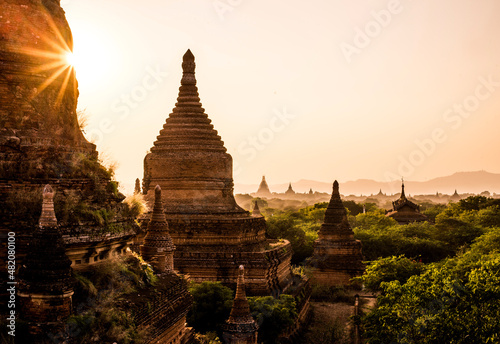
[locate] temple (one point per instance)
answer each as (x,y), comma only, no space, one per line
(240,328)
(289,191)
(337,255)
(83,220)
(263,190)
(41,141)
(158,248)
(46,288)
(256,210)
(455,197)
(405,211)
(212,234)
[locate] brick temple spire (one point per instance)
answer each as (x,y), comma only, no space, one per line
(256,210)
(158,248)
(189,158)
(46,274)
(335,212)
(188,125)
(213,235)
(263,189)
(240,327)
(337,255)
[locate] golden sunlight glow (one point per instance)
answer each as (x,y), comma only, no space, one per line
(70,59)
(55,59)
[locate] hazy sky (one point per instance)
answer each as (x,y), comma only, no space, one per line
(317,90)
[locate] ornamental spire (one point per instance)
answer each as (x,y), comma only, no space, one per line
(158,248)
(240,312)
(256,210)
(335,212)
(240,327)
(403,188)
(48,217)
(188,126)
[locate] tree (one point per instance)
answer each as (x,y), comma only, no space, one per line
(211,306)
(390,269)
(273,315)
(454,301)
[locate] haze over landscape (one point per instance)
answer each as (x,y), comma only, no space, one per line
(355,197)
(317,91)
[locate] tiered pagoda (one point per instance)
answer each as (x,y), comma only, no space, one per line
(289,191)
(263,190)
(405,211)
(158,248)
(240,328)
(455,197)
(337,255)
(46,288)
(212,234)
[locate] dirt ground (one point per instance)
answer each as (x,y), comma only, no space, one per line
(330,324)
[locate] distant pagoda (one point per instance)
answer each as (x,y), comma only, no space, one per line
(212,234)
(263,190)
(337,255)
(455,197)
(405,211)
(240,328)
(289,191)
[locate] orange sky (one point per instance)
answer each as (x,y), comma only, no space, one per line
(318,90)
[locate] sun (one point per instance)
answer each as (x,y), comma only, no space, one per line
(70,59)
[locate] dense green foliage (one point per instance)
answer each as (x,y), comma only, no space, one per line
(211,306)
(455,300)
(299,227)
(455,228)
(99,317)
(394,268)
(273,316)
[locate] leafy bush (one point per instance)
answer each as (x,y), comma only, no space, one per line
(211,306)
(99,316)
(273,316)
(389,269)
(455,301)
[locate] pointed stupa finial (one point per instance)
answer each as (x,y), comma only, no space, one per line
(256,210)
(240,327)
(188,65)
(158,248)
(336,188)
(137,187)
(335,212)
(240,312)
(158,214)
(403,188)
(48,216)
(240,287)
